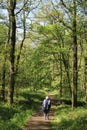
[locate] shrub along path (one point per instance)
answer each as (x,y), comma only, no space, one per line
(37,121)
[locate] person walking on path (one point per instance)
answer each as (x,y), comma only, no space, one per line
(46,105)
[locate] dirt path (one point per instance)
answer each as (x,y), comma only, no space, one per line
(37,121)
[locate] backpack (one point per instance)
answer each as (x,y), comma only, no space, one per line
(45,105)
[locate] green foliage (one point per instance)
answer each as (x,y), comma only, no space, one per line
(70,120)
(3,33)
(16,116)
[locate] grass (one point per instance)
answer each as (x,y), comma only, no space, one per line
(66,119)
(16,116)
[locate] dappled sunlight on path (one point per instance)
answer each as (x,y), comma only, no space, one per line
(37,121)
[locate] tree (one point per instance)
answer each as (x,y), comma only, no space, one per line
(51,36)
(85,83)
(11,6)
(75,64)
(67,14)
(70,10)
(3,36)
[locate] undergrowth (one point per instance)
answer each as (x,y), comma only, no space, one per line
(16,116)
(66,119)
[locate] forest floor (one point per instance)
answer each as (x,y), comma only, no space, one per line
(37,122)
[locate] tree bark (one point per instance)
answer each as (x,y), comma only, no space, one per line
(22,42)
(4,66)
(61,78)
(3,80)
(12,50)
(75,71)
(85,83)
(66,65)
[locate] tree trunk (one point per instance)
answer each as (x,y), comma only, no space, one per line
(60,90)
(4,67)
(66,65)
(12,50)
(3,80)
(75,71)
(85,83)
(22,42)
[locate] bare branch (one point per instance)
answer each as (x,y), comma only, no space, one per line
(21,8)
(63,3)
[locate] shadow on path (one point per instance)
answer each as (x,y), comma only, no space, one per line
(37,121)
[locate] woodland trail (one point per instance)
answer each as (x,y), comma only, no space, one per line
(37,121)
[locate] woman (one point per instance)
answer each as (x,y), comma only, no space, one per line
(46,105)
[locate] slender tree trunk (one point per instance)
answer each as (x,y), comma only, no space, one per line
(22,42)
(3,80)
(75,71)
(85,83)
(4,66)
(12,50)
(66,65)
(60,90)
